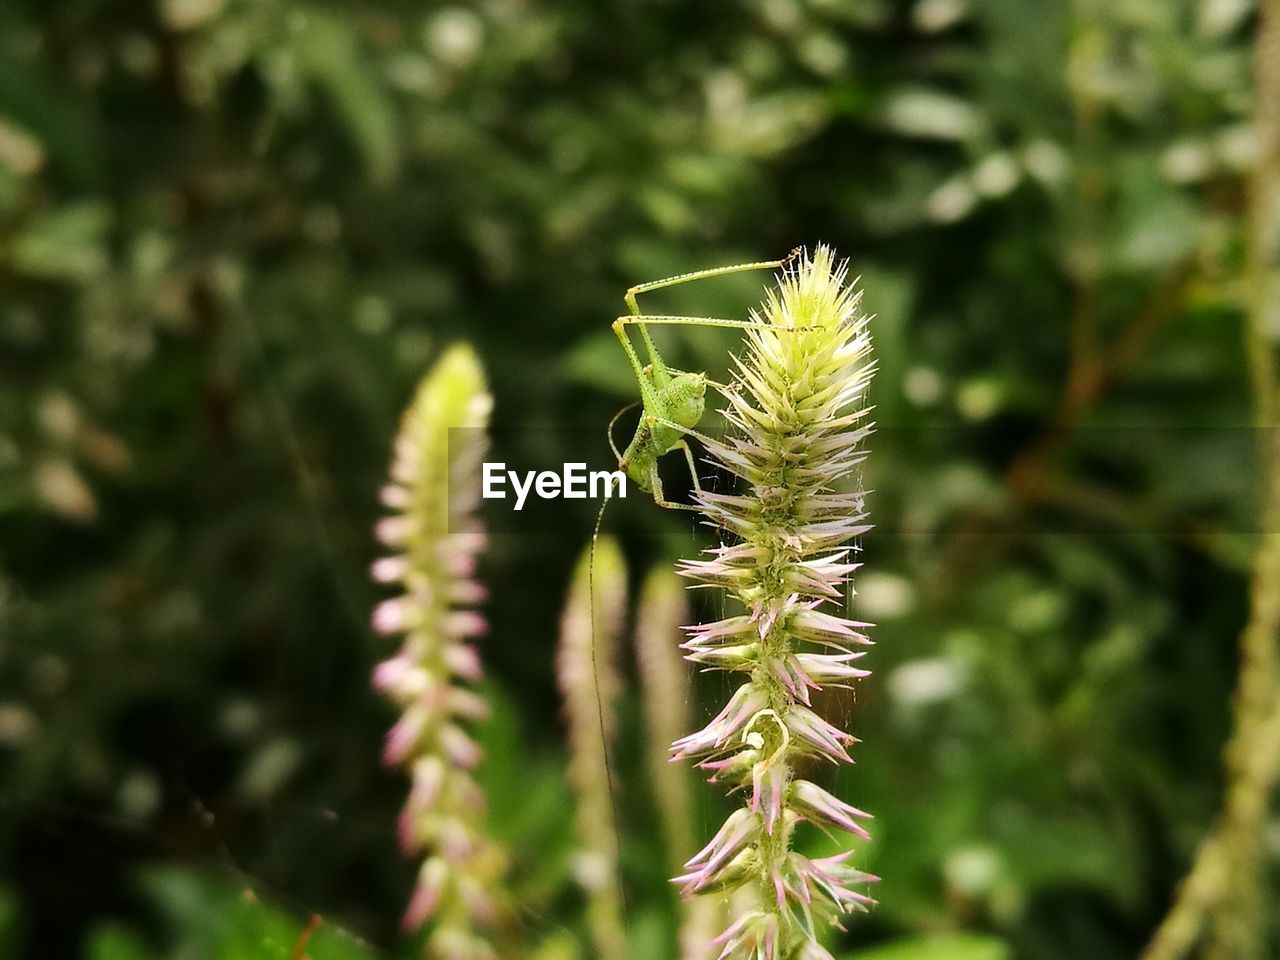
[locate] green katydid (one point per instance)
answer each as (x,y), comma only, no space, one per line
(673,400)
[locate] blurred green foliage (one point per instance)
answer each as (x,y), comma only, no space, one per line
(234,232)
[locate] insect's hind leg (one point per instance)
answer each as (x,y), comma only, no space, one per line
(688,432)
(659,495)
(680,278)
(663,318)
(693,469)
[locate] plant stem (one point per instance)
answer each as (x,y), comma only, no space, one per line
(1227,882)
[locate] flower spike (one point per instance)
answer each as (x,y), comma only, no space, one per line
(436,541)
(797,421)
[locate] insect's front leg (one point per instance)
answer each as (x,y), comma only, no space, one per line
(647,395)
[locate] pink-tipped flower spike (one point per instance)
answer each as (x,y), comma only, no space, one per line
(797,422)
(588,677)
(435,541)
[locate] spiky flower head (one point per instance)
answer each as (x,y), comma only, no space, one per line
(436,539)
(797,421)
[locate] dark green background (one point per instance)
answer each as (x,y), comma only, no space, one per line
(234,233)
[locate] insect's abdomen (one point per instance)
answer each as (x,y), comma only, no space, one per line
(638,457)
(684,403)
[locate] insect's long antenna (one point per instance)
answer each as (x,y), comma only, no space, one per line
(600,706)
(613,446)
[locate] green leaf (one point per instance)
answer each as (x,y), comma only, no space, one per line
(1159,228)
(213,919)
(334,943)
(932,114)
(64,244)
(328,51)
(959,946)
(116,942)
